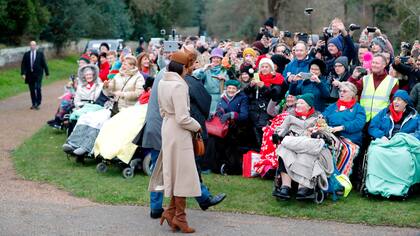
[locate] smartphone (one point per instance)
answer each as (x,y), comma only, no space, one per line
(170,46)
(305,76)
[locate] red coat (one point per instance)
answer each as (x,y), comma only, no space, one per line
(104,71)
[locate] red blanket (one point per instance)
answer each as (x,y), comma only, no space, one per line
(269,159)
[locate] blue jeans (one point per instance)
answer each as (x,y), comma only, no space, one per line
(156,198)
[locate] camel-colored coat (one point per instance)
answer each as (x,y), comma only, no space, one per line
(175,172)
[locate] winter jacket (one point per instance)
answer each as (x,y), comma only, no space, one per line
(296,125)
(352,119)
(104,71)
(238,104)
(319,90)
(297,66)
(334,90)
(349,51)
(412,74)
(258,99)
(200,101)
(83,93)
(382,124)
(130,86)
(415,95)
(211,84)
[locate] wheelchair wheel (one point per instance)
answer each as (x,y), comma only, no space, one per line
(362,184)
(147,164)
(128,173)
(101,167)
(319,196)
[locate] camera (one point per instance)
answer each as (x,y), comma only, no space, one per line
(362,72)
(287,34)
(303,37)
(162,31)
(405,46)
(353,27)
(308,11)
(371,29)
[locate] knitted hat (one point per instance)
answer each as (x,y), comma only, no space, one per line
(105,45)
(343,61)
(337,42)
(257,45)
(249,51)
(85,57)
(269,22)
(280,61)
(268,61)
(381,42)
(321,64)
(349,86)
(404,96)
(308,98)
(217,52)
(180,57)
(247,68)
(233,82)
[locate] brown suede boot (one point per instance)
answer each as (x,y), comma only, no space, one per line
(180,219)
(169,213)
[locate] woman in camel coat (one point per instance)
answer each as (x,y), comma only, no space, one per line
(175,172)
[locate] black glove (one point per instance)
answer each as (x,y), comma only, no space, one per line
(276,138)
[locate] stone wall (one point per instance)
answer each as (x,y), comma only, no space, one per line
(13,56)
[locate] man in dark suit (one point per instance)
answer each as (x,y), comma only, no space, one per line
(32,70)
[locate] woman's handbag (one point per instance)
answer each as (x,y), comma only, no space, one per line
(216,128)
(198,143)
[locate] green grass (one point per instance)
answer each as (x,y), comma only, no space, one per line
(40,158)
(11,82)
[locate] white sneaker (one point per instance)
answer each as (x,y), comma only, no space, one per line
(68,148)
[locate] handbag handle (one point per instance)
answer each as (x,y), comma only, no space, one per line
(122,89)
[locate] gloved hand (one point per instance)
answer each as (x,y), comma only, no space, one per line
(276,138)
(225,117)
(220,112)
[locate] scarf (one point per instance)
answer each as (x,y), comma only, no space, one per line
(270,79)
(216,70)
(342,105)
(89,85)
(395,115)
(128,73)
(305,115)
(145,70)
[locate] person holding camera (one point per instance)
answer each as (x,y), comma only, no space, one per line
(300,62)
(313,82)
(410,68)
(341,74)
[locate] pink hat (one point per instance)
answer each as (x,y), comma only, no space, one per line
(367,60)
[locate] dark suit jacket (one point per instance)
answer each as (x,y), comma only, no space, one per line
(39,66)
(200,101)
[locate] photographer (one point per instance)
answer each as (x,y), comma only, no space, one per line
(268,28)
(409,68)
(300,63)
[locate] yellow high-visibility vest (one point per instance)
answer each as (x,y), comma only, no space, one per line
(374,100)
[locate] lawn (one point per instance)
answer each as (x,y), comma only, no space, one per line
(11,82)
(41,159)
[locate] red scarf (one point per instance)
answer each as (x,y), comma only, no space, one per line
(342,105)
(305,115)
(270,79)
(395,115)
(90,85)
(145,70)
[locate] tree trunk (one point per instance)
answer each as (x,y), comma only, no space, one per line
(273,9)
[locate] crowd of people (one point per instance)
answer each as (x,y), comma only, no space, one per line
(314,108)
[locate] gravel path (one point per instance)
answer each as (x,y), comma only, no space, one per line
(30,208)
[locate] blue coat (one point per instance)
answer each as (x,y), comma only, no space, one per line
(238,104)
(352,119)
(382,124)
(320,91)
(296,66)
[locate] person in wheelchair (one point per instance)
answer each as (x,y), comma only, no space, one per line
(393,156)
(300,156)
(346,119)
